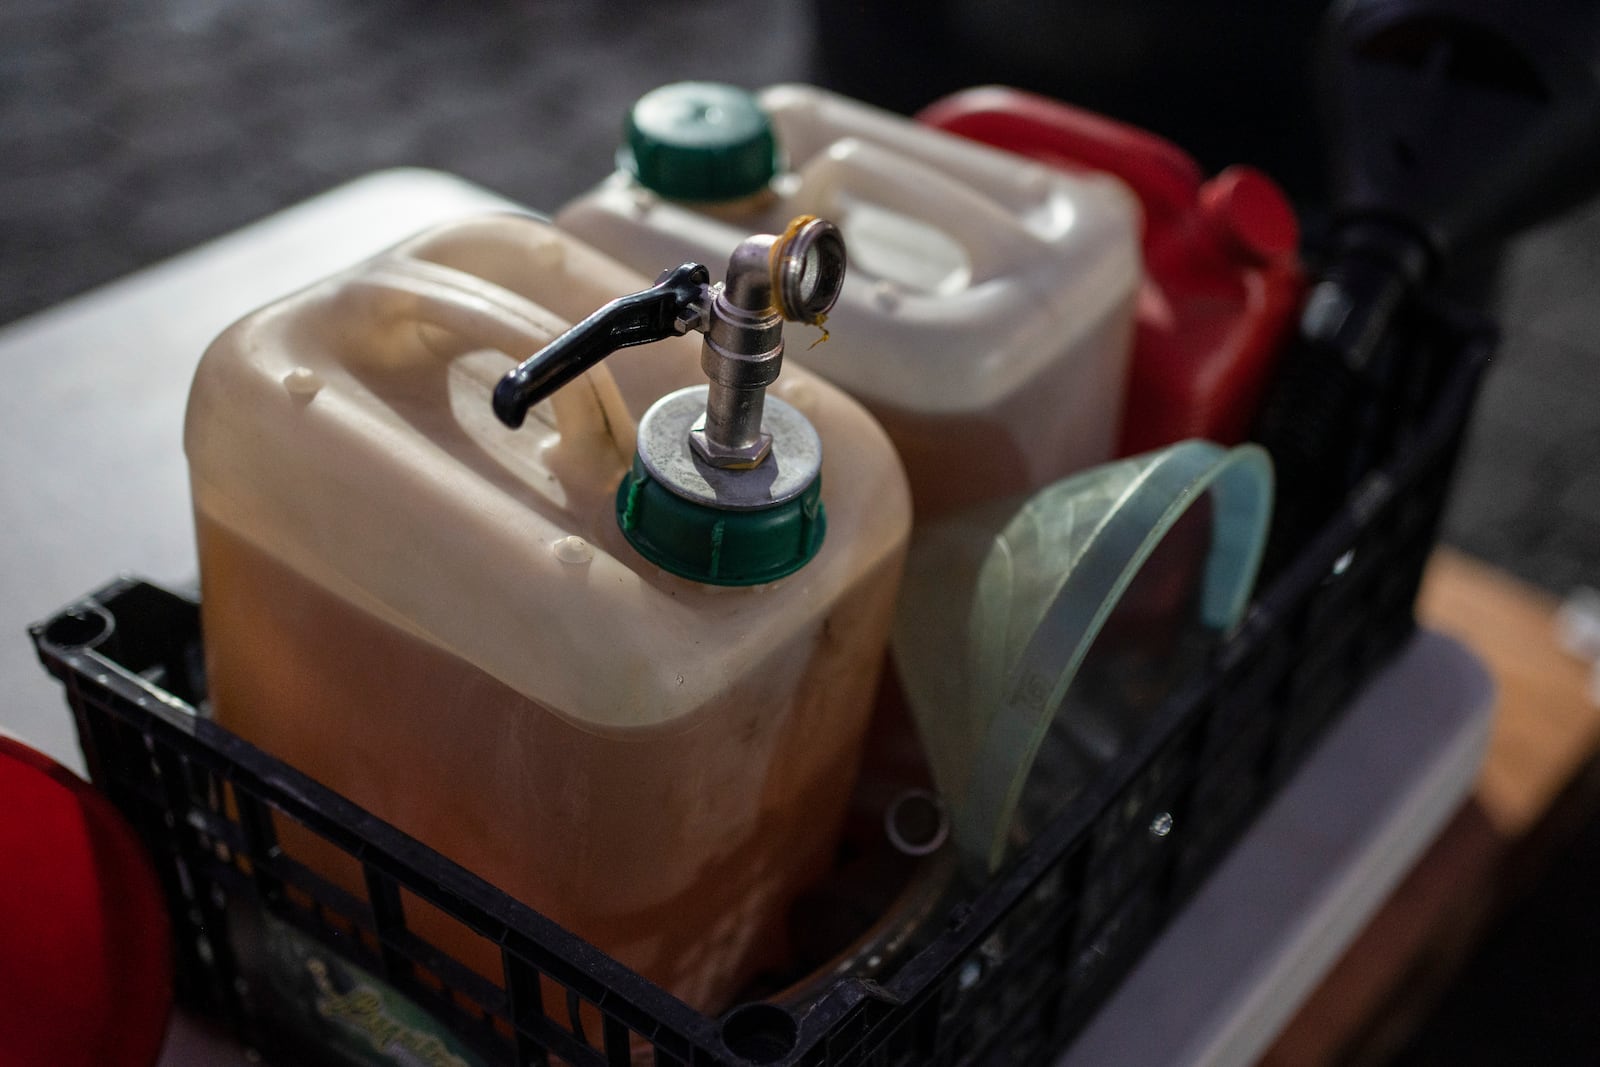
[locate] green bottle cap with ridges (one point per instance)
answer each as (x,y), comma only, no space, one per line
(699,141)
(717,547)
(716,526)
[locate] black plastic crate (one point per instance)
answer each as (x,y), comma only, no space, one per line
(1005,975)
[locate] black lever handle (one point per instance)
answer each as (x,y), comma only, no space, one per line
(653,314)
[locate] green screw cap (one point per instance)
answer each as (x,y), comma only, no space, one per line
(718,546)
(699,141)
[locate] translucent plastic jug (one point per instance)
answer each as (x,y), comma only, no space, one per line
(988,314)
(442,618)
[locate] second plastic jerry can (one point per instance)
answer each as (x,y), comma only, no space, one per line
(619,661)
(1223,279)
(988,313)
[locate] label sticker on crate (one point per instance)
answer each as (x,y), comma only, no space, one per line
(344,1010)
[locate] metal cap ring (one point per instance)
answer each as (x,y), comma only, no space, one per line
(808,268)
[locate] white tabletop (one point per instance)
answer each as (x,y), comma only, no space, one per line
(94,484)
(94,481)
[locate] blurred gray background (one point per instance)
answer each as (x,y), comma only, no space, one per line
(133,130)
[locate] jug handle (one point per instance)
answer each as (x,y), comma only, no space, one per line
(990,234)
(1162,175)
(401,288)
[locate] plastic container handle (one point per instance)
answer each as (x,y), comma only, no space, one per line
(400,288)
(1162,174)
(991,236)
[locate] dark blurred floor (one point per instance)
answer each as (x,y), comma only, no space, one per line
(1531,993)
(132,130)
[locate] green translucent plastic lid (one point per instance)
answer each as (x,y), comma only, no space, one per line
(1001,604)
(699,141)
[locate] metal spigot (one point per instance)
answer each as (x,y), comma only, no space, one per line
(725,487)
(794,276)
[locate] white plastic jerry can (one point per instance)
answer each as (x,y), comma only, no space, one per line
(988,315)
(618,662)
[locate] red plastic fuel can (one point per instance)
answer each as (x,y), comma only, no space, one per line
(1222,274)
(85,954)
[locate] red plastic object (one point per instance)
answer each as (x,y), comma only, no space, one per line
(1223,279)
(85,954)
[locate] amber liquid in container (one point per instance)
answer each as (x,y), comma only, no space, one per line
(633,811)
(659,766)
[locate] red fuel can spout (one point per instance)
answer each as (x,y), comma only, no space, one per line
(1222,276)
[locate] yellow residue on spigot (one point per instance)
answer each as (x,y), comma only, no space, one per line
(818,324)
(775,256)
